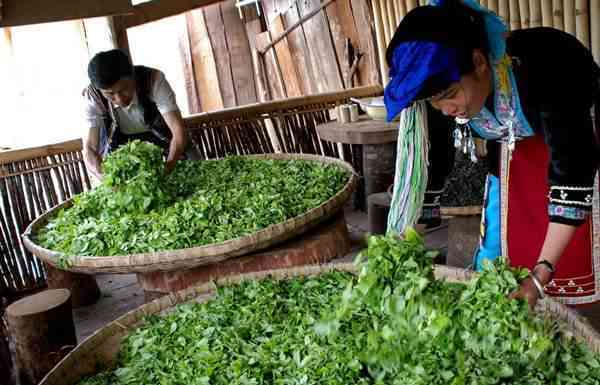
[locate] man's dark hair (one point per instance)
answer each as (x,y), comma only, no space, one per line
(108,67)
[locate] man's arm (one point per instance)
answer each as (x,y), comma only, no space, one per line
(91,153)
(164,97)
(179,140)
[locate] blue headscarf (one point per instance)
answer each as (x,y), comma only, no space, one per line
(414,62)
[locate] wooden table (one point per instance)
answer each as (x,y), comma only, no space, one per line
(375,142)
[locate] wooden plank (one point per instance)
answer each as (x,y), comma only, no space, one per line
(37,152)
(253,28)
(286,62)
(185,50)
(364,24)
(160,9)
(321,48)
(216,32)
(205,66)
(299,49)
(274,79)
(239,51)
(291,103)
(339,40)
(22,12)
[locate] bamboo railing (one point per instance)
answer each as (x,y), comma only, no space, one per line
(32,181)
(580,18)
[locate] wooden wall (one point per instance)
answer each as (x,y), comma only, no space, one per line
(226,69)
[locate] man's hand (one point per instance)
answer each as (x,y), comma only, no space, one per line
(170,165)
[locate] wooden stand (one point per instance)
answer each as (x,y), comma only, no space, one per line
(83,287)
(322,244)
(43,331)
(379,208)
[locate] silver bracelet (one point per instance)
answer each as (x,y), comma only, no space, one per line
(538,285)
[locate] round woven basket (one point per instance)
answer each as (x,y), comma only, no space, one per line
(101,348)
(206,254)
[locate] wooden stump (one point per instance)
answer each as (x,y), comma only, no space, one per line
(42,328)
(6,367)
(379,208)
(83,287)
(463,239)
(322,244)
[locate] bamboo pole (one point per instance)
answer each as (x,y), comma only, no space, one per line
(410,4)
(397,12)
(483,3)
(595,18)
(535,13)
(547,13)
(380,41)
(557,14)
(515,17)
(385,21)
(569,12)
(493,5)
(504,10)
(391,18)
(582,22)
(524,13)
(402,9)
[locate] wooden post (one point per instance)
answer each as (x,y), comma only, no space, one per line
(547,17)
(43,331)
(83,287)
(536,13)
(524,13)
(557,14)
(569,12)
(515,19)
(386,22)
(582,25)
(504,10)
(493,5)
(379,33)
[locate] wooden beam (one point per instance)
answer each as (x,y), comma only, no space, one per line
(264,109)
(159,9)
(23,12)
(38,152)
(292,27)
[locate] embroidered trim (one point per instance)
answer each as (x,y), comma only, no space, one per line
(569,212)
(564,202)
(572,188)
(581,196)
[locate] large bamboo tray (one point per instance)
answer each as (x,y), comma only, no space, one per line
(206,254)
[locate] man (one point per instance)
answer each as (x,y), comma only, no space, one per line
(126,102)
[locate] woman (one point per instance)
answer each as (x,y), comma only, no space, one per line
(530,94)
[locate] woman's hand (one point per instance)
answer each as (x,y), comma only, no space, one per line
(528,290)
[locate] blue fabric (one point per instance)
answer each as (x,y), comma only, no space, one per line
(412,64)
(490,247)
